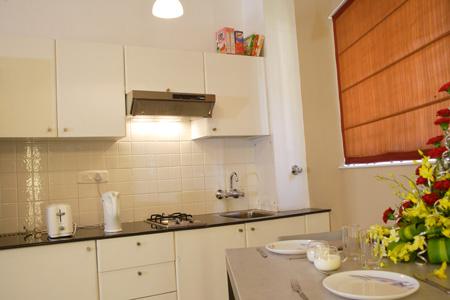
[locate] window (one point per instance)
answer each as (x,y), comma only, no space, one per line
(392,56)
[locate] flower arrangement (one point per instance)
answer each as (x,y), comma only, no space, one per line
(422,219)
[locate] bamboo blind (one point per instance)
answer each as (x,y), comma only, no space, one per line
(392,56)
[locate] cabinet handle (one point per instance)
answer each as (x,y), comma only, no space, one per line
(139,273)
(168,90)
(252,229)
(49,129)
(66,129)
(88,249)
(138,243)
(241,230)
(214,129)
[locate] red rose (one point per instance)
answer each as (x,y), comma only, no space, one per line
(442,121)
(436,152)
(442,185)
(445,88)
(435,140)
(418,170)
(406,204)
(388,215)
(421,180)
(445,112)
(430,198)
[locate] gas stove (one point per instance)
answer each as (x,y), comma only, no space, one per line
(175,220)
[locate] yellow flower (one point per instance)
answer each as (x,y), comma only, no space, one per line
(444,203)
(419,210)
(427,169)
(446,232)
(440,273)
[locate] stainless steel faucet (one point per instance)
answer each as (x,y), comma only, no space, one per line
(233,192)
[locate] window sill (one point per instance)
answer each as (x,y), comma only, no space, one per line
(380,164)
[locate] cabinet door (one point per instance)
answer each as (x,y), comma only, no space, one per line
(239,84)
(158,70)
(27,87)
(200,263)
(264,232)
(63,271)
(91,97)
(317,222)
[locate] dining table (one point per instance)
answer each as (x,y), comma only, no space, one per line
(258,274)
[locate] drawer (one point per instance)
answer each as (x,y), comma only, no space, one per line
(169,296)
(138,282)
(134,251)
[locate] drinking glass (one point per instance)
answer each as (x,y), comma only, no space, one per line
(351,246)
(370,251)
(311,249)
(327,258)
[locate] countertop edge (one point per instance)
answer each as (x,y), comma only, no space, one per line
(215,220)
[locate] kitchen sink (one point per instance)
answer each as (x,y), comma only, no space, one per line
(248,214)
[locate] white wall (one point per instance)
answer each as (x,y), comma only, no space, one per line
(122,21)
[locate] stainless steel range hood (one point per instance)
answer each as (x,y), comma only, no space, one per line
(147,103)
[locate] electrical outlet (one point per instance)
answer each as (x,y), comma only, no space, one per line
(93,176)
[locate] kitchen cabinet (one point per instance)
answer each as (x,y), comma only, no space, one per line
(63,271)
(264,232)
(90,89)
(27,87)
(136,266)
(200,261)
(239,84)
(315,223)
(158,70)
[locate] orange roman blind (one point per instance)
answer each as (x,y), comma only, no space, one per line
(392,56)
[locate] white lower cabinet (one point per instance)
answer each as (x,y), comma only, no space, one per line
(138,282)
(200,253)
(168,296)
(317,222)
(63,271)
(201,268)
(264,232)
(136,267)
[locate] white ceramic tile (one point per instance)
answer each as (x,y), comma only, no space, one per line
(8,225)
(169,173)
(144,174)
(124,148)
(168,160)
(193,184)
(171,185)
(185,147)
(8,196)
(119,175)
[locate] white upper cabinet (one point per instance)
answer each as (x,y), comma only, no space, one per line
(27,87)
(239,84)
(158,70)
(90,89)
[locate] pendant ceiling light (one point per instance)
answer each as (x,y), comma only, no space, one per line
(167,9)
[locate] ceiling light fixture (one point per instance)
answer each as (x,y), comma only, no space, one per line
(167,9)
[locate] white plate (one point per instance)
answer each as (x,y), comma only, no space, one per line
(288,247)
(370,284)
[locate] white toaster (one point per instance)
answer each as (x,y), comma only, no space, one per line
(59,221)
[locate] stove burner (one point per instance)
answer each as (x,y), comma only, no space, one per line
(173,220)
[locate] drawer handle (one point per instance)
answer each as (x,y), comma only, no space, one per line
(88,249)
(139,273)
(241,230)
(252,228)
(138,243)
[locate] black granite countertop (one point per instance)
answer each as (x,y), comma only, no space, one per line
(10,241)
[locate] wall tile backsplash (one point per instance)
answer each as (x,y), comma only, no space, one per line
(156,168)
